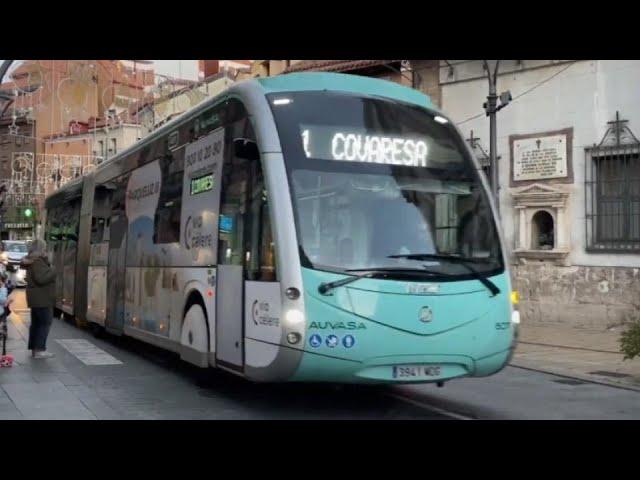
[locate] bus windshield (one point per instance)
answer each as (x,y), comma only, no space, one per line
(377,183)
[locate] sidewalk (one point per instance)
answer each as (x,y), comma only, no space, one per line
(584,354)
(35,389)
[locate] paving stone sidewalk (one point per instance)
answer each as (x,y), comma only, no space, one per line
(34,389)
(586,354)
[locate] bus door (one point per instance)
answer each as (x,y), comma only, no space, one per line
(233,235)
(118,225)
(116,274)
(230,272)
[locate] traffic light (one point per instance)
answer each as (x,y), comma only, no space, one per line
(28,212)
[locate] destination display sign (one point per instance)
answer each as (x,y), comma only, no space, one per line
(353,145)
(202,184)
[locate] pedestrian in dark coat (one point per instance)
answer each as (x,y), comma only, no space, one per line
(41,283)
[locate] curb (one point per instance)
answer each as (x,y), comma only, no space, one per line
(577,376)
(567,347)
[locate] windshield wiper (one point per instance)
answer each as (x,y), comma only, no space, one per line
(325,287)
(465,262)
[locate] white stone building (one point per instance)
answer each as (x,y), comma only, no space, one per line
(569,176)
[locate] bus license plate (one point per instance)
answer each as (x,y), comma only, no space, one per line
(416,371)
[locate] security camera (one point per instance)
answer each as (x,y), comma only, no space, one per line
(505,98)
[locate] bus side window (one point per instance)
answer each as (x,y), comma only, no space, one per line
(259,246)
(167,221)
(260,256)
(244,236)
(100,214)
(233,202)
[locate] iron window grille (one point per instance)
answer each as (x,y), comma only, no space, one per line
(612,191)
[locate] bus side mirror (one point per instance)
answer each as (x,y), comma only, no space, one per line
(245,148)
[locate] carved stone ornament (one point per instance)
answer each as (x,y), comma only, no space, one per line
(542,224)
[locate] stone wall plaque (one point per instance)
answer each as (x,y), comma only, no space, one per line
(541,156)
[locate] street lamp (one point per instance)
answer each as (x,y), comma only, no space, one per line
(491,107)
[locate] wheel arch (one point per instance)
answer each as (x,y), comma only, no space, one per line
(195,297)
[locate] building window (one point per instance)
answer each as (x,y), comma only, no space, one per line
(612,193)
(617,196)
(114,148)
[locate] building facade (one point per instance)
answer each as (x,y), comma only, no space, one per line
(209,68)
(48,106)
(569,181)
(156,112)
(568,167)
(18,208)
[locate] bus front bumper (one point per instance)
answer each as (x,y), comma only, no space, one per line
(399,369)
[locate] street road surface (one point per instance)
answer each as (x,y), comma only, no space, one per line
(119,378)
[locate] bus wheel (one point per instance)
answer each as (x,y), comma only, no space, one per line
(195,336)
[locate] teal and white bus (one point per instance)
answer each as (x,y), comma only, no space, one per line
(305,227)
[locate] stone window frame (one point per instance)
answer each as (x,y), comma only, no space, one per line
(530,199)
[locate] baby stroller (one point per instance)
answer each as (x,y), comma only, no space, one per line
(5,360)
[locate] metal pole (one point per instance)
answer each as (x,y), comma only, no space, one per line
(492,103)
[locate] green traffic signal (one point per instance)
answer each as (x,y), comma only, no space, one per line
(28,212)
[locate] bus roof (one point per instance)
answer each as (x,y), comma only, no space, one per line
(309,81)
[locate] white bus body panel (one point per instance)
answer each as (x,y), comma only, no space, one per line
(229,313)
(263,330)
(97,295)
(157,315)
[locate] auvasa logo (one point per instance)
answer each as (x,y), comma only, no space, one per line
(338,325)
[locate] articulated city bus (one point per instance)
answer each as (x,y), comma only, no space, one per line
(305,227)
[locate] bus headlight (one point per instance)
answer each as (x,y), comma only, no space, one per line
(293,317)
(515,317)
